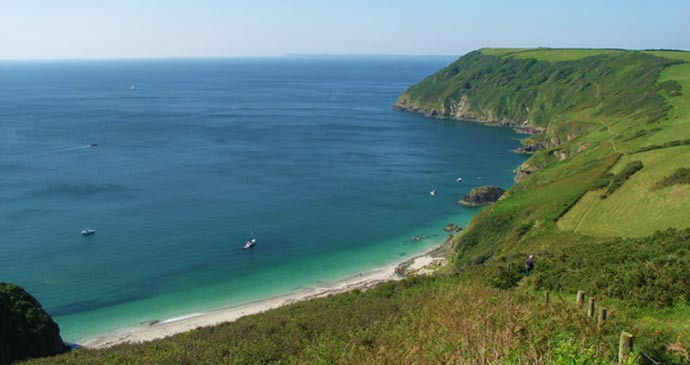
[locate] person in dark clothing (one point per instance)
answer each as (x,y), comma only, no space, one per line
(529,265)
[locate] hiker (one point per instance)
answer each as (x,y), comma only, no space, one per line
(529,265)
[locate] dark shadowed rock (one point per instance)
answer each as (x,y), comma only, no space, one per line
(481,196)
(26,330)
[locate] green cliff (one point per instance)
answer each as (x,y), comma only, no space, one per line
(26,330)
(528,91)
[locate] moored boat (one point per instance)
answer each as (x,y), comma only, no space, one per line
(250,243)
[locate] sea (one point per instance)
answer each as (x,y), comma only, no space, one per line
(177,163)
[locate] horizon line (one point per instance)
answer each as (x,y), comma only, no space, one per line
(287,55)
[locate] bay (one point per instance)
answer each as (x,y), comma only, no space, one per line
(194,157)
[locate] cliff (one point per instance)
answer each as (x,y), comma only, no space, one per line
(555,100)
(26,330)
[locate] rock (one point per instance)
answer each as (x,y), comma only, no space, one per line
(26,330)
(452,227)
(524,170)
(482,195)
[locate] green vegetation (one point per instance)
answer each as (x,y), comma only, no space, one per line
(597,136)
(678,177)
(610,122)
(26,330)
(566,97)
(433,320)
(649,271)
(682,142)
(637,208)
(620,178)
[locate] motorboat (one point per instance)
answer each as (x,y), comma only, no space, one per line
(433,192)
(458,179)
(250,243)
(88,231)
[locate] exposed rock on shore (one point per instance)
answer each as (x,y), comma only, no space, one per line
(462,110)
(482,195)
(452,227)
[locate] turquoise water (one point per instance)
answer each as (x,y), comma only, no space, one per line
(196,156)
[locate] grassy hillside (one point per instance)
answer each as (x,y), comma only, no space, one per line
(597,112)
(444,319)
(610,170)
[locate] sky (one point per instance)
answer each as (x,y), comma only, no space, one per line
(103,29)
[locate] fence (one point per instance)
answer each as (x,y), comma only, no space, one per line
(600,314)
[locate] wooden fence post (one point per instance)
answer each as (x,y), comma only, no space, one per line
(626,344)
(590,307)
(580,298)
(603,312)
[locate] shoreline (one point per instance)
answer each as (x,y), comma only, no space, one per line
(157,329)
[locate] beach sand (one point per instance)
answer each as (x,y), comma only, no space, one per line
(169,327)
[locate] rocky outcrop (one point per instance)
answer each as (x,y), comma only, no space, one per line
(482,195)
(462,110)
(524,170)
(26,330)
(452,227)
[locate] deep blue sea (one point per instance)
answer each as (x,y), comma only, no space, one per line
(194,157)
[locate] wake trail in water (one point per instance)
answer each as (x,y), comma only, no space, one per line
(77,148)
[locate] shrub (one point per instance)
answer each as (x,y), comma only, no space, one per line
(678,177)
(617,181)
(602,181)
(652,271)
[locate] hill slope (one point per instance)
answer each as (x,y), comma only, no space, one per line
(588,107)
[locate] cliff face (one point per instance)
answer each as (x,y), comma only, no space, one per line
(536,97)
(462,109)
(557,102)
(26,330)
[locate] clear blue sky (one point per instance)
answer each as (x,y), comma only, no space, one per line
(47,29)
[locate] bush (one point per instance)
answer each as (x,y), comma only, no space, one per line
(602,181)
(507,275)
(651,271)
(678,177)
(617,181)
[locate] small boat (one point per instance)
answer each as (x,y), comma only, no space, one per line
(458,179)
(88,231)
(250,243)
(433,192)
(93,145)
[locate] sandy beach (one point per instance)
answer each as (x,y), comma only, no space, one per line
(420,263)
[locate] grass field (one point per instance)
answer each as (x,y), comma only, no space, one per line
(547,54)
(677,123)
(636,209)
